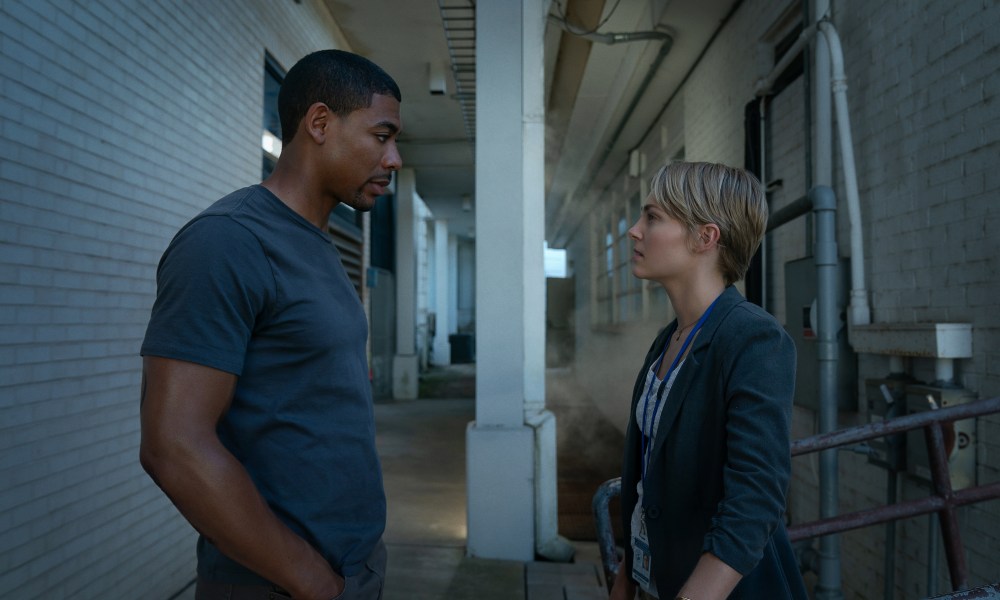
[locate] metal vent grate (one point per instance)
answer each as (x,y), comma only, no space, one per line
(459,20)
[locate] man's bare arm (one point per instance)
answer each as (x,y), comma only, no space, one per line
(182,403)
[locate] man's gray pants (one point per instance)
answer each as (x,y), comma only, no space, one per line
(366,585)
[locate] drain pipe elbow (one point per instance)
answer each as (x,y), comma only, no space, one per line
(764,85)
(859,312)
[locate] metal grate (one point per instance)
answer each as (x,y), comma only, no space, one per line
(350,246)
(459,20)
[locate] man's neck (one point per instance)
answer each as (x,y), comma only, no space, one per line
(296,191)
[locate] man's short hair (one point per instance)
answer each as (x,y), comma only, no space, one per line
(699,193)
(343,81)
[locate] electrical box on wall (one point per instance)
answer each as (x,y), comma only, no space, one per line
(800,317)
(959,437)
(886,399)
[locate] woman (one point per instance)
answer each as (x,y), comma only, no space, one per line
(707,446)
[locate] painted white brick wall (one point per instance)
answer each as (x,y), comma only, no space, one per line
(118,122)
(923,80)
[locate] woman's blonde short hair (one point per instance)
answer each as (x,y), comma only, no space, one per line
(699,193)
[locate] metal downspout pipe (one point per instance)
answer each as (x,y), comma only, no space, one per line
(828,587)
(822,102)
(859,312)
(824,204)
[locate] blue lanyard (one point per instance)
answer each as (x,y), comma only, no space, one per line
(663,384)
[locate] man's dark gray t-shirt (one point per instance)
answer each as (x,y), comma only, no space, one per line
(252,288)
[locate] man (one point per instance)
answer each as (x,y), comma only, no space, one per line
(256,413)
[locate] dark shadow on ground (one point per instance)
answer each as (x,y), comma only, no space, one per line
(454,381)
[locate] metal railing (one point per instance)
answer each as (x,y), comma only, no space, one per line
(605,532)
(943,500)
(991,591)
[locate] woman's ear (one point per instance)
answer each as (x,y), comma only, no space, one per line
(709,236)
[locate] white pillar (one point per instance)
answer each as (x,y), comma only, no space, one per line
(442,285)
(452,283)
(404,365)
(423,227)
(511,444)
(548,543)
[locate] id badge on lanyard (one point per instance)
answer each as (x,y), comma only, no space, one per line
(641,558)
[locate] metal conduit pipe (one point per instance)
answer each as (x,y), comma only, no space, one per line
(824,204)
(858,310)
(792,210)
(611,38)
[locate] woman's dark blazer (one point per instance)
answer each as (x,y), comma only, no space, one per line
(719,470)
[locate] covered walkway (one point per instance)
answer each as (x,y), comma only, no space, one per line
(422,445)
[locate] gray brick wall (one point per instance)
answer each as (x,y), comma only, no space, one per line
(786,162)
(118,122)
(923,85)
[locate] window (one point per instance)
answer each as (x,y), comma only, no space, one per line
(618,293)
(629,290)
(271,130)
(555,262)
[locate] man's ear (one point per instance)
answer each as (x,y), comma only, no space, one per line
(316,122)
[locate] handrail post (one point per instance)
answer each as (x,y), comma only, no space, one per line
(941,478)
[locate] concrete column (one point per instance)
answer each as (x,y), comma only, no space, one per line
(533,201)
(404,364)
(442,303)
(511,444)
